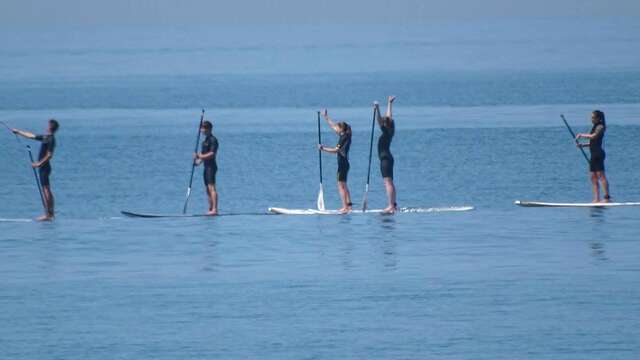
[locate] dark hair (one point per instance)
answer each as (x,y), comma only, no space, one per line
(345,127)
(53,125)
(386,121)
(600,116)
(207,125)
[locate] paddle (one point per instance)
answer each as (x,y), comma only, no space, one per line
(574,138)
(35,173)
(366,188)
(193,165)
(320,201)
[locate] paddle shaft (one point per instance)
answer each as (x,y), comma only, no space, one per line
(319,151)
(366,188)
(193,165)
(373,127)
(35,173)
(574,139)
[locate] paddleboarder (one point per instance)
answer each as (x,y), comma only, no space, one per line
(596,162)
(342,151)
(47,147)
(207,156)
(388,129)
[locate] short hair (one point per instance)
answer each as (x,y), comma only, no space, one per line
(207,125)
(53,125)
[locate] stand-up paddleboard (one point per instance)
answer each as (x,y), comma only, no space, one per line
(15,220)
(158,216)
(578,205)
(283,211)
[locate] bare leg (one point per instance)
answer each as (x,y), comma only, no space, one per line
(48,204)
(213,199)
(50,201)
(596,187)
(605,185)
(206,189)
(345,196)
(391,195)
(389,106)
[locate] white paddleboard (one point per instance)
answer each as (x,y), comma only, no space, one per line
(15,220)
(159,216)
(583,205)
(283,211)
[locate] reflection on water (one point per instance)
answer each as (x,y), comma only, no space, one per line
(597,251)
(388,222)
(599,233)
(211,261)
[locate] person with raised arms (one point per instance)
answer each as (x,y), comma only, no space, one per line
(596,163)
(207,156)
(43,164)
(342,151)
(388,129)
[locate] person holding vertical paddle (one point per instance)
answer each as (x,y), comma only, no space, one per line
(207,156)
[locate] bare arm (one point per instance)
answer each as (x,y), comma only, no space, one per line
(206,156)
(331,123)
(24,134)
(332,150)
(596,134)
(585,136)
(390,101)
(378,116)
(43,161)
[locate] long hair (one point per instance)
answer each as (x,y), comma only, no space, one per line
(601,118)
(386,121)
(345,127)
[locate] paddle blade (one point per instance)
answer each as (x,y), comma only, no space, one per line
(365,198)
(321,198)
(186,202)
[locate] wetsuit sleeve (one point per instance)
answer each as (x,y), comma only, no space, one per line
(214,145)
(341,144)
(205,147)
(45,139)
(598,132)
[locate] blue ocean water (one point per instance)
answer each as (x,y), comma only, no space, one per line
(477,124)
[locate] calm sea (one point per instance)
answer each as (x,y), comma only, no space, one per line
(477,124)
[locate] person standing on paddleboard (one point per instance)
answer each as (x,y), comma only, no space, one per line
(596,163)
(342,151)
(388,128)
(44,164)
(207,156)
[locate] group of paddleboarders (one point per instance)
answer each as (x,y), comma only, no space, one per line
(209,150)
(387,128)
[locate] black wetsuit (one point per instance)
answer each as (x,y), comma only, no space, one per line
(595,147)
(48,146)
(210,144)
(384,149)
(344,143)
